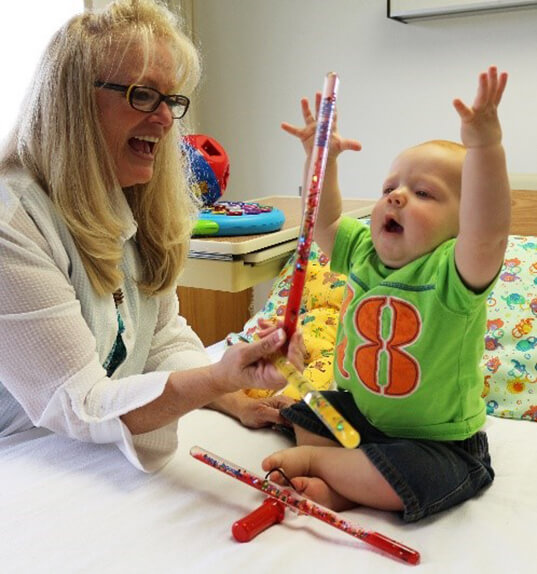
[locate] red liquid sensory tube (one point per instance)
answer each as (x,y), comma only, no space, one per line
(392,547)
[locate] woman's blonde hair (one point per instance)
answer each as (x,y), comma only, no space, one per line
(58,138)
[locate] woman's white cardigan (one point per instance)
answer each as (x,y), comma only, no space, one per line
(56,333)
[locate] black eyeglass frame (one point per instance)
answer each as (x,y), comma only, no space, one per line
(170,99)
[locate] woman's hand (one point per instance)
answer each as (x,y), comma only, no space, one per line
(296,353)
(258,413)
(253,363)
(249,365)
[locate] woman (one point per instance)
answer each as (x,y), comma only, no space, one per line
(95,219)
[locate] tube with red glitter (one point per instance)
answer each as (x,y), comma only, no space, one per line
(312,185)
(304,505)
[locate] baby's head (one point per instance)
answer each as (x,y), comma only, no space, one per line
(419,207)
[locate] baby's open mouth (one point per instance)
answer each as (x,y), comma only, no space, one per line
(391,226)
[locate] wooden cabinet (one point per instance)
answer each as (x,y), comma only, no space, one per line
(214,314)
(216,288)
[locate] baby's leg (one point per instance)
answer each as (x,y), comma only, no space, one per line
(335,477)
(296,461)
(306,437)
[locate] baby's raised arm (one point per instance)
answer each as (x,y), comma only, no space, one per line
(330,201)
(485,209)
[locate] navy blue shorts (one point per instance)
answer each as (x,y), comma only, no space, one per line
(428,475)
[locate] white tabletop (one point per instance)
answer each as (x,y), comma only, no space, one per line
(292,209)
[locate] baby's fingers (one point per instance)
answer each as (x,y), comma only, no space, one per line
(494,85)
(293,130)
(465,113)
(306,111)
(484,88)
(350,145)
(318,99)
(490,89)
(502,82)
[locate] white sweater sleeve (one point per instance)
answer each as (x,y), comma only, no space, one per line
(175,346)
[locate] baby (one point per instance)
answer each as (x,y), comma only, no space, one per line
(412,322)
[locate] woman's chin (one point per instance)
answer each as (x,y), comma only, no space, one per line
(138,177)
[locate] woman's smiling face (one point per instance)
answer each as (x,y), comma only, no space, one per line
(132,136)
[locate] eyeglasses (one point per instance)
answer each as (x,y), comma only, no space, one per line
(147,100)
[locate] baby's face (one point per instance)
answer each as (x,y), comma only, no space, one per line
(419,207)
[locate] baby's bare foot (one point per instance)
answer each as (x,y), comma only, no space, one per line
(317,490)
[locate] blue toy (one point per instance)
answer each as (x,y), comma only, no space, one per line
(209,165)
(239,218)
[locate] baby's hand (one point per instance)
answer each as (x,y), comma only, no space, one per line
(306,134)
(480,126)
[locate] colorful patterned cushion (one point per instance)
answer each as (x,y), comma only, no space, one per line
(510,358)
(318,319)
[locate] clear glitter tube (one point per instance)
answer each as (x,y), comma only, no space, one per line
(305,506)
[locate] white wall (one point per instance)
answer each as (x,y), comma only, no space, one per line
(397,83)
(22,40)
